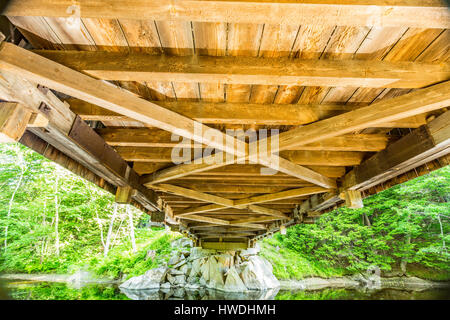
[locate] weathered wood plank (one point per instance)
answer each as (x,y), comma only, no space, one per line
(156,138)
(375,13)
(251,70)
(14,118)
(229,113)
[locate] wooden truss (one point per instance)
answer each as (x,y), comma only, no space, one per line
(325,155)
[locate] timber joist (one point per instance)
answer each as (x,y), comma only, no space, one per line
(353,96)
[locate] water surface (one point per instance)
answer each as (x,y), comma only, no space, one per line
(41,290)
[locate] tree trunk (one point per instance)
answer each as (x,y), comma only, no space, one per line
(133,239)
(404,260)
(11,201)
(444,249)
(110,229)
(56,216)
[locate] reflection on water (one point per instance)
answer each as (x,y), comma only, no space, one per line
(34,290)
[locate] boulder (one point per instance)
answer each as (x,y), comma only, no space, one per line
(257,274)
(175,272)
(208,267)
(233,282)
(145,294)
(185,269)
(225,260)
(176,280)
(199,252)
(174,260)
(182,243)
(195,269)
(180,263)
(152,279)
(192,286)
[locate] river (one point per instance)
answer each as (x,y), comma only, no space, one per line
(41,290)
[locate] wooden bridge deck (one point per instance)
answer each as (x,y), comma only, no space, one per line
(357,89)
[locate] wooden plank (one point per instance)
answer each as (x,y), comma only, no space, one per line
(311,158)
(251,70)
(241,113)
(156,138)
(14,118)
(206,219)
(375,13)
(224,245)
(240,170)
(123,194)
(422,145)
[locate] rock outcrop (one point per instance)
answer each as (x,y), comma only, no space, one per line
(152,279)
(231,271)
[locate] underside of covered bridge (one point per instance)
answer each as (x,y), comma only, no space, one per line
(230,120)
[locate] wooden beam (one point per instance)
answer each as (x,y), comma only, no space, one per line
(194,194)
(420,146)
(367,13)
(310,158)
(353,199)
(281,195)
(195,217)
(224,245)
(71,82)
(156,138)
(123,194)
(228,113)
(250,70)
(14,119)
(411,104)
(242,171)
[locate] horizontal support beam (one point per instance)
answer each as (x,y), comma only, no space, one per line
(156,138)
(224,245)
(241,170)
(250,70)
(368,13)
(310,158)
(229,113)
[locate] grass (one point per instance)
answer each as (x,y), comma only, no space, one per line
(288,264)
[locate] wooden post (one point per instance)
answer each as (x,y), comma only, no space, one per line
(123,194)
(353,199)
(13,121)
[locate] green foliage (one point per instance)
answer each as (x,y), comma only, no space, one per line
(409,223)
